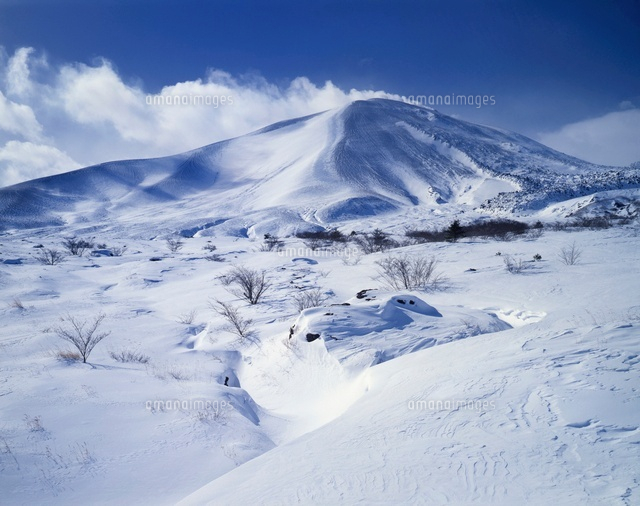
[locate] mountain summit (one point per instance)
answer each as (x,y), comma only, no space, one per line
(368,158)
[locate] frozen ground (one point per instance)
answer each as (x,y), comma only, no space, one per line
(500,389)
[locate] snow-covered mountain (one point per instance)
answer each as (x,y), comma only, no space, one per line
(366,159)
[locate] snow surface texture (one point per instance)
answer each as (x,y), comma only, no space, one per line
(503,389)
(367,159)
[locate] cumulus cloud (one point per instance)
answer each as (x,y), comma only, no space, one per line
(18,119)
(18,73)
(611,139)
(20,161)
(86,114)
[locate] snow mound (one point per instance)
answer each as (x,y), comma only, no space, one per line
(376,326)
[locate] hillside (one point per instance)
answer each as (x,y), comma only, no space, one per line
(367,159)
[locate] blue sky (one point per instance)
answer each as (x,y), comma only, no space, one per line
(563,72)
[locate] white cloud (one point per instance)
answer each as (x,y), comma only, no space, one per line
(18,119)
(17,76)
(21,161)
(95,95)
(89,114)
(612,139)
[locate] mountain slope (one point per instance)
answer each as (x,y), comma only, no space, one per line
(368,158)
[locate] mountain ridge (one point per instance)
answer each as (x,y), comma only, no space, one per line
(365,159)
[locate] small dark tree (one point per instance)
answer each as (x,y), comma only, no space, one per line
(236,324)
(81,333)
(375,241)
(271,243)
(454,232)
(250,284)
(49,257)
(76,246)
(174,244)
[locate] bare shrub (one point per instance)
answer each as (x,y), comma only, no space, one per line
(592,222)
(16,303)
(501,229)
(422,236)
(351,261)
(76,246)
(236,324)
(375,242)
(570,255)
(308,298)
(176,374)
(118,251)
(314,244)
(515,266)
(174,244)
(82,334)
(215,257)
(535,233)
(49,256)
(250,284)
(34,423)
(128,356)
(405,272)
(271,243)
(331,235)
(188,318)
(209,247)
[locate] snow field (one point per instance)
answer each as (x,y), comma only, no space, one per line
(329,420)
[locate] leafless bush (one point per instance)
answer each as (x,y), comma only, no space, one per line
(236,324)
(515,266)
(271,243)
(570,255)
(314,244)
(174,244)
(49,256)
(212,257)
(16,303)
(82,334)
(329,236)
(188,318)
(76,246)
(250,284)
(351,260)
(375,241)
(308,298)
(422,236)
(535,233)
(176,374)
(34,423)
(127,356)
(405,272)
(118,251)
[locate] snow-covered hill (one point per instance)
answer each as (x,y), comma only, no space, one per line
(502,389)
(366,159)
